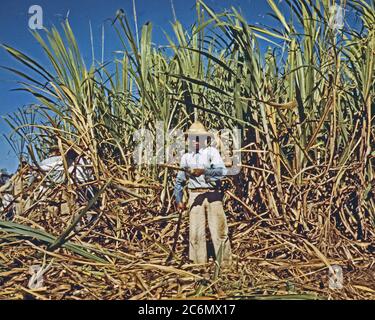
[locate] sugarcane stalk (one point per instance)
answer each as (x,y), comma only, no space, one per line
(176,234)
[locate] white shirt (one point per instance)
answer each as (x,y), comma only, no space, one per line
(207,158)
(54,168)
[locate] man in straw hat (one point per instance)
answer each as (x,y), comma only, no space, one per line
(204,167)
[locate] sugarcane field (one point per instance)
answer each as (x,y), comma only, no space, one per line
(187,150)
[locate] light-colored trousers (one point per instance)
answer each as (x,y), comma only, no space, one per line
(210,203)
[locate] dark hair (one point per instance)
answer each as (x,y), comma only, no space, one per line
(71,155)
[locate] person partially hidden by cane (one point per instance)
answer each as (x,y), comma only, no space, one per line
(203,169)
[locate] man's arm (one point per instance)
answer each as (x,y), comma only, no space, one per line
(180,181)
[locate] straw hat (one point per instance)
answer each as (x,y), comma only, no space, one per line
(197,129)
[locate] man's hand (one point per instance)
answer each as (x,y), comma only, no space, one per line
(197,172)
(181,206)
